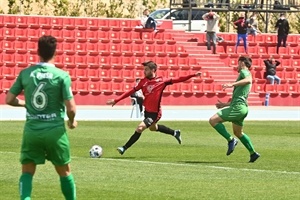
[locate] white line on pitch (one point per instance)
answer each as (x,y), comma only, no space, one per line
(180,164)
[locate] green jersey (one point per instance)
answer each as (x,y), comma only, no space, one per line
(45,89)
(240,93)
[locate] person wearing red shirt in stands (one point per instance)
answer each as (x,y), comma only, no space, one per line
(152,87)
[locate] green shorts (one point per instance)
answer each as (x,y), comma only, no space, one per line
(235,114)
(52,144)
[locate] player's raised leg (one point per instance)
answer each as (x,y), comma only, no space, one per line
(134,138)
(164,129)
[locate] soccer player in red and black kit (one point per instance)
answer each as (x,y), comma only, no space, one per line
(152,87)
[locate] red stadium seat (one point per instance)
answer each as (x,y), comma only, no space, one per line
(94,87)
(93,23)
(33,22)
(9,47)
(69,61)
(81,74)
(197,88)
(138,49)
(114,36)
(92,36)
(6,85)
(93,74)
(115,49)
(105,87)
(114,24)
(81,61)
(69,23)
(105,75)
(126,49)
(21,60)
(9,21)
(149,50)
(21,47)
(92,48)
(80,48)
(116,75)
(57,23)
(69,35)
(81,23)
(117,88)
(116,62)
(186,88)
(21,34)
(69,48)
(58,34)
(127,62)
(128,75)
(21,21)
(104,62)
(8,73)
(45,22)
(9,59)
(293,89)
(81,35)
(81,87)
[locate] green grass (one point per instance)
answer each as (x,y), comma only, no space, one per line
(157,167)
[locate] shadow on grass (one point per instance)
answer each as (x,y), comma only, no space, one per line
(199,162)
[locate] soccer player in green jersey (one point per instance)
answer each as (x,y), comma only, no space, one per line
(236,110)
(47,91)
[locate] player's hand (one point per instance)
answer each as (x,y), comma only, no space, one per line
(198,73)
(72,125)
(227,85)
(111,102)
(220,104)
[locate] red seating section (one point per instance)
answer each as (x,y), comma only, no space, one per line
(104,56)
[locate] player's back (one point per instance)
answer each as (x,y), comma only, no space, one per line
(44,87)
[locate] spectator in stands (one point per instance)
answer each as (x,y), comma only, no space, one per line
(212,28)
(148,21)
(138,95)
(283,28)
(253,25)
(271,70)
(186,3)
(241,25)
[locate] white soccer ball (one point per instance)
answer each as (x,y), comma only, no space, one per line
(96,151)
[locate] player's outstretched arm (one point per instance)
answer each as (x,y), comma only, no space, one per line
(185,78)
(12,100)
(71,112)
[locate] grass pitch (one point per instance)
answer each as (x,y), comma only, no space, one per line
(157,167)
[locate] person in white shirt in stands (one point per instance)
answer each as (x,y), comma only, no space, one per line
(148,21)
(212,28)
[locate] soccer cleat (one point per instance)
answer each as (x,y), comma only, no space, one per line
(121,150)
(177,136)
(254,157)
(231,145)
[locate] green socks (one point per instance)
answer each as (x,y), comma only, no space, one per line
(222,130)
(25,186)
(247,143)
(68,187)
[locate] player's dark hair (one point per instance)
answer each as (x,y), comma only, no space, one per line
(246,60)
(47,47)
(152,65)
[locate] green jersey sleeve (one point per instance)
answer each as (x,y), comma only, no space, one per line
(66,88)
(245,73)
(17,87)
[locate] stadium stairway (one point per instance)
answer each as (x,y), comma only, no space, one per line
(214,69)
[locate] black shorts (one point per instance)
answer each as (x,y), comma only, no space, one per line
(151,118)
